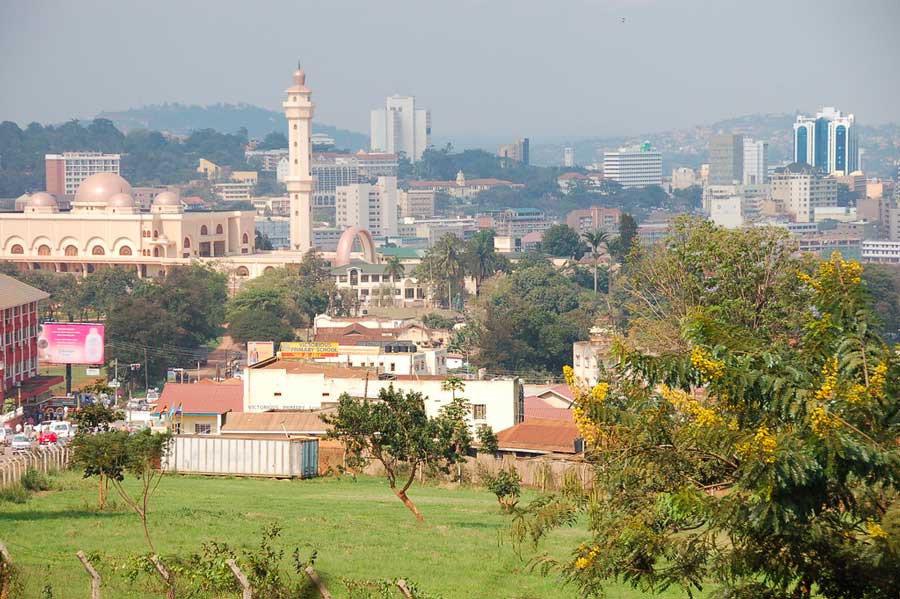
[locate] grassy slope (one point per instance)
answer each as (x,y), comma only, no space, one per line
(360,530)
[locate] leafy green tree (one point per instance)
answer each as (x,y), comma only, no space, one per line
(263,242)
(621,246)
(259,325)
(749,275)
(759,460)
(561,240)
(275,140)
(443,266)
(487,440)
(96,416)
(529,320)
(393,270)
(437,321)
(883,284)
(397,432)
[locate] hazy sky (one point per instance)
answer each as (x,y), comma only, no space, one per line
(484,67)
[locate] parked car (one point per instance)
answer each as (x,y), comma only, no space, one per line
(6,435)
(44,426)
(63,429)
(48,438)
(20,442)
(152,395)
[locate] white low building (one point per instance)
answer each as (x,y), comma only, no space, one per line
(881,251)
(294,385)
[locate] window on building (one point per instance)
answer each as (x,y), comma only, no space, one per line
(218,229)
(204,230)
(17,249)
(44,250)
(202,429)
(98,251)
(479,411)
(71,250)
(187,242)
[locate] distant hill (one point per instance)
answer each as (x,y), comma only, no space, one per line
(688,147)
(179,119)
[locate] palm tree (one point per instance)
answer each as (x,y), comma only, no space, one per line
(480,258)
(595,239)
(393,269)
(448,259)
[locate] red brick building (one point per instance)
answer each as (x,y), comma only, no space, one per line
(18,342)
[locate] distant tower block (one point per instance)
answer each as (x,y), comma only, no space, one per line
(299,182)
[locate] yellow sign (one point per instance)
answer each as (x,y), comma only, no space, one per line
(309,349)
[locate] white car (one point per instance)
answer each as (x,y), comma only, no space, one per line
(6,435)
(20,443)
(63,430)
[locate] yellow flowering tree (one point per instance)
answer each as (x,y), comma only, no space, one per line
(761,463)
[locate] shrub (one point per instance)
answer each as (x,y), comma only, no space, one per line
(33,480)
(487,440)
(14,494)
(506,485)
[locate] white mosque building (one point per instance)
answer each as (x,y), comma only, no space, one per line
(106,228)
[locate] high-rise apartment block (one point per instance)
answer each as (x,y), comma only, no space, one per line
(801,188)
(634,167)
(569,157)
(756,162)
(400,128)
(595,218)
(65,172)
(517,151)
(368,206)
(726,159)
(827,141)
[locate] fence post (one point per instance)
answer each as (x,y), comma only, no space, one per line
(401,584)
(314,577)
(247,592)
(95,577)
(166,576)
(5,571)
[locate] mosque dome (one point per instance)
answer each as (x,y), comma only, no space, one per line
(166,198)
(42,199)
(121,200)
(99,188)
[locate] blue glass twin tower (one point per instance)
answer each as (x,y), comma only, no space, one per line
(827,141)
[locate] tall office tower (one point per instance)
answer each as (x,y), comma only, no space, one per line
(801,188)
(65,172)
(331,170)
(569,157)
(299,182)
(756,162)
(827,141)
(726,159)
(400,127)
(634,167)
(517,151)
(368,206)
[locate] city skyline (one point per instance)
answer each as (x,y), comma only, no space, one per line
(575,58)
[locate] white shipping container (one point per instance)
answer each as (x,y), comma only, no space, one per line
(242,456)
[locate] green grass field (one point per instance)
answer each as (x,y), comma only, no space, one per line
(361,531)
(78,376)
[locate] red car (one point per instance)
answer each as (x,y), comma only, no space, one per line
(47,438)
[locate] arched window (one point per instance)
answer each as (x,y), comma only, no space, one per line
(17,249)
(204,230)
(242,271)
(44,250)
(246,238)
(71,250)
(155,233)
(124,251)
(218,229)
(156,252)
(98,251)
(187,242)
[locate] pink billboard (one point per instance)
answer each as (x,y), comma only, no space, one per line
(70,343)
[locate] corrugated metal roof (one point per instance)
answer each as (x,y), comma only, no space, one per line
(294,423)
(539,436)
(15,293)
(202,398)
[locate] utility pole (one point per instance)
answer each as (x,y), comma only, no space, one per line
(146,372)
(116,378)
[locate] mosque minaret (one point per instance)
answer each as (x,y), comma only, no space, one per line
(298,108)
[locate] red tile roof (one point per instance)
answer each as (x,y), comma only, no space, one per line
(539,436)
(202,398)
(537,408)
(353,334)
